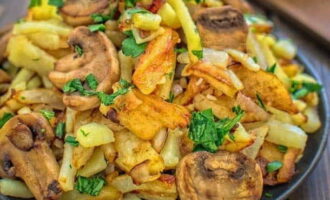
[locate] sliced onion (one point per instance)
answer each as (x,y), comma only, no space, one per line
(218,58)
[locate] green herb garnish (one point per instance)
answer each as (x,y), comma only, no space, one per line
(78,50)
(108,99)
(91,186)
(60,130)
(272,68)
(96,27)
(180,50)
(100,18)
(130,3)
(57,3)
(198,53)
(5,117)
(304,89)
(268,195)
(282,148)
(84,133)
(34,3)
(170,98)
(260,102)
(91,81)
(208,134)
(72,141)
(274,166)
(131,48)
(47,114)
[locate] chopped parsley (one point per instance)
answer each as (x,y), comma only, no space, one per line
(91,186)
(170,98)
(136,10)
(268,195)
(57,3)
(34,3)
(208,134)
(274,166)
(47,114)
(272,68)
(75,85)
(96,27)
(301,89)
(108,99)
(91,81)
(260,102)
(198,54)
(72,141)
(180,50)
(100,18)
(282,148)
(255,59)
(130,3)
(5,117)
(84,133)
(60,130)
(131,48)
(78,50)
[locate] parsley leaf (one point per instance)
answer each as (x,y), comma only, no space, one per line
(198,53)
(171,97)
(78,50)
(100,18)
(34,3)
(274,166)
(180,50)
(72,141)
(282,148)
(136,10)
(131,48)
(272,68)
(57,3)
(108,99)
(130,3)
(47,114)
(260,102)
(84,133)
(5,117)
(96,27)
(300,90)
(255,59)
(91,186)
(75,85)
(208,134)
(268,195)
(60,130)
(91,81)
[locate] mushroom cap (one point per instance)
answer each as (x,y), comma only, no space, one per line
(25,153)
(222,28)
(224,175)
(78,12)
(99,58)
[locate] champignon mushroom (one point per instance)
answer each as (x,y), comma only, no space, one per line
(98,57)
(224,175)
(78,12)
(25,153)
(222,28)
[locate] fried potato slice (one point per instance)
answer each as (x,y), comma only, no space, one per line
(268,86)
(158,60)
(145,115)
(137,157)
(218,78)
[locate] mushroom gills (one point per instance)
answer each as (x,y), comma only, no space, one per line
(24,140)
(231,175)
(222,28)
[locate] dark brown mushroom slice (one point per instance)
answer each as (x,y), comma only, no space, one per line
(25,154)
(99,58)
(224,175)
(78,12)
(222,28)
(241,5)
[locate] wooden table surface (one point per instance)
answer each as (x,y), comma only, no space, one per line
(317,185)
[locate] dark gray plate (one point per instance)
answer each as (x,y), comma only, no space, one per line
(315,145)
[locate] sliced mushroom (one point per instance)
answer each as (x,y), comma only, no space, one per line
(222,28)
(25,153)
(241,5)
(99,58)
(224,175)
(78,12)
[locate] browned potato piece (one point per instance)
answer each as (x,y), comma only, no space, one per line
(268,86)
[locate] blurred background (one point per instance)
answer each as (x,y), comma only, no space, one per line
(307,23)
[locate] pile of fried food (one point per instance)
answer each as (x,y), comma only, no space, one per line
(150,99)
